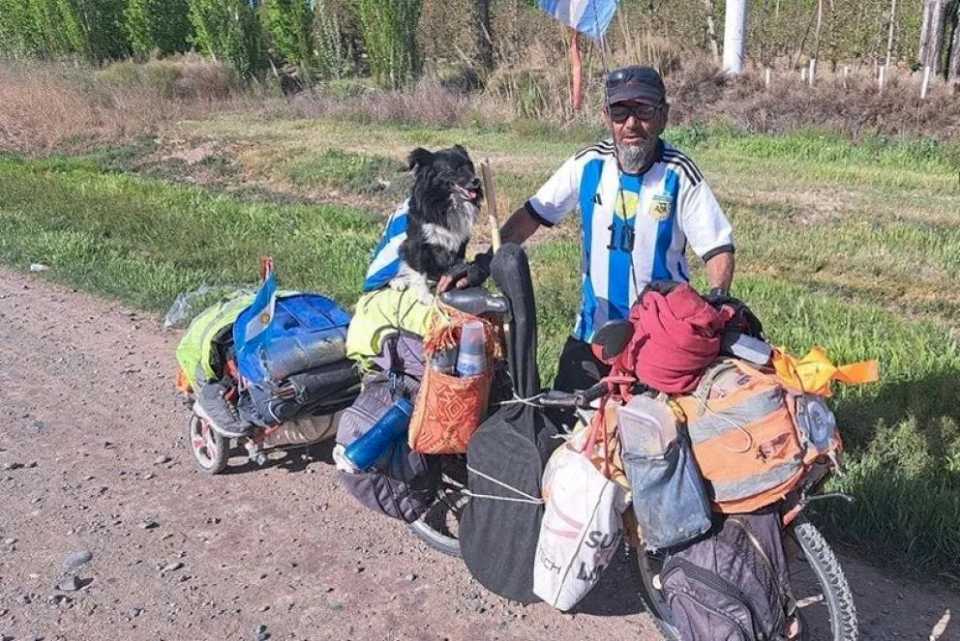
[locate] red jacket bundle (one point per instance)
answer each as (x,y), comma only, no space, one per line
(677,335)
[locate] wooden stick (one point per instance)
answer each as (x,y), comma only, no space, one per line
(490,195)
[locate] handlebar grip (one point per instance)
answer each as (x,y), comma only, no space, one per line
(556,398)
(589,395)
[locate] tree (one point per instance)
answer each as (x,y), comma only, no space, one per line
(157,25)
(953,65)
(484,34)
(101,22)
(228,30)
(388,29)
(289,23)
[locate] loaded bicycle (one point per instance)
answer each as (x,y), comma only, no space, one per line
(820,593)
(819,590)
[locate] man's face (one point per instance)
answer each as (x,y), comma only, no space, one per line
(636,123)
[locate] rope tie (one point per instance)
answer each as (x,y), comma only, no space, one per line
(526,497)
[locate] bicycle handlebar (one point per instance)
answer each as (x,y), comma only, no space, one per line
(580,398)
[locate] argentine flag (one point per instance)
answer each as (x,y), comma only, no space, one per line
(385,262)
(256,318)
(589,17)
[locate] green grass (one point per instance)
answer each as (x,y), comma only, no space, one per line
(354,173)
(853,247)
(145,241)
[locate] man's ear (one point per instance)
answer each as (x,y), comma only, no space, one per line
(665,114)
(419,157)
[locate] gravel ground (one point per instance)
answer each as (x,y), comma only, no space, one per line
(108,532)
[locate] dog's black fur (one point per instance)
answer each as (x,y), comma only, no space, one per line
(443,206)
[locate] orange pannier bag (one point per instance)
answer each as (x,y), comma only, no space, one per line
(750,447)
(450,408)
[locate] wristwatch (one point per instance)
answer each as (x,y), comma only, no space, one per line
(719,292)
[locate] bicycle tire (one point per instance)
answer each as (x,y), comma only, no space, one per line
(816,552)
(436,540)
(836,591)
(434,527)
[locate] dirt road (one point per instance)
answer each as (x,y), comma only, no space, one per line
(93,459)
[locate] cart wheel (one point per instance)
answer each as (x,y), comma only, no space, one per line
(209,448)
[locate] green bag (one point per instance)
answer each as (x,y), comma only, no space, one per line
(195,349)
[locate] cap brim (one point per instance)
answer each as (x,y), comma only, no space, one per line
(637,92)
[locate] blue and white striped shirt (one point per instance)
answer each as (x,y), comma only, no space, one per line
(385,261)
(635,227)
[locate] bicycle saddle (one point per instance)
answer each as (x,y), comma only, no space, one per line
(475,301)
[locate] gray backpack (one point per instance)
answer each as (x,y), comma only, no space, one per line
(404,485)
(732,584)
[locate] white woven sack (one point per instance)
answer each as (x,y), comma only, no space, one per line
(581,526)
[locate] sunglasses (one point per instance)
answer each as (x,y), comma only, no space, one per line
(620,113)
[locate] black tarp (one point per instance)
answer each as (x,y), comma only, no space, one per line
(498,538)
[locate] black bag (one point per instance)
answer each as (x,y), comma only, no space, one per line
(498,535)
(321,390)
(404,484)
(732,584)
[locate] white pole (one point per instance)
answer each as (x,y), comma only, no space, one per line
(813,70)
(883,69)
(803,75)
(846,75)
(734,36)
(766,77)
(926,83)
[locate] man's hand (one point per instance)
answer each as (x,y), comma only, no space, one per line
(467,274)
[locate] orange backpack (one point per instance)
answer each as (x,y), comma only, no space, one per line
(753,438)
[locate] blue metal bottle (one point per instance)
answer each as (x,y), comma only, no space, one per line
(391,427)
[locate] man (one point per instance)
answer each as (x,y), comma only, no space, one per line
(641,201)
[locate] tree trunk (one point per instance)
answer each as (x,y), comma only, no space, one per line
(931,34)
(892,31)
(484,34)
(953,68)
(712,31)
(924,31)
(816,46)
(735,37)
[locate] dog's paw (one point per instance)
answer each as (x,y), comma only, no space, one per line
(399,284)
(422,292)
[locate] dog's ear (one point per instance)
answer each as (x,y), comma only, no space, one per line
(419,157)
(462,150)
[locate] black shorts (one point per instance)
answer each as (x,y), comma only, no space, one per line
(578,370)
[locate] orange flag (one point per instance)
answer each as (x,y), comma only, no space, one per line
(815,372)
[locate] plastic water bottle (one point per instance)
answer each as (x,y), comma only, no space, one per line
(472,358)
(365,451)
(647,426)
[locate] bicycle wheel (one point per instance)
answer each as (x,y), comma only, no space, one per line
(823,596)
(440,526)
(819,586)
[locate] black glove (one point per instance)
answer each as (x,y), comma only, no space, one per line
(475,272)
(744,320)
(719,296)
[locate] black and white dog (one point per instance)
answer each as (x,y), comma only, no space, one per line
(443,207)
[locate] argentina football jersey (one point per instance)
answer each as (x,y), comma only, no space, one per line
(635,227)
(385,261)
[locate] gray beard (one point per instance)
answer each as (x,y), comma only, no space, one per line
(633,158)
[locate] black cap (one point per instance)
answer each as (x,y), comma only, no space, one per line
(635,83)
